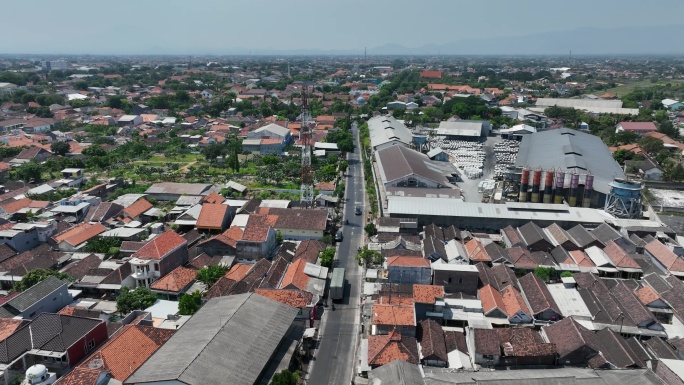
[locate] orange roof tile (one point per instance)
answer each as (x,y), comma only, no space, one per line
(177,280)
(295,298)
(13,206)
(121,355)
(394,315)
(212,216)
(80,233)
(581,258)
(427,293)
(383,349)
(491,299)
(137,208)
(646,295)
(665,256)
(294,276)
(402,260)
(256,229)
(8,326)
(160,246)
(476,251)
(213,198)
(514,302)
(238,271)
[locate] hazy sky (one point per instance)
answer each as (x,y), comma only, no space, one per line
(219,26)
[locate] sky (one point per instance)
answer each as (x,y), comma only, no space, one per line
(227,26)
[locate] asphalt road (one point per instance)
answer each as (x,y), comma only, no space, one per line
(334,360)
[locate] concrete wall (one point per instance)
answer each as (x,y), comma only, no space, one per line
(50,304)
(457,281)
(409,275)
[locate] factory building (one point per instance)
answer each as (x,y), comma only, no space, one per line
(565,166)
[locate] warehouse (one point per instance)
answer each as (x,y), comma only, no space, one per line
(491,217)
(589,105)
(386,131)
(399,166)
(463,129)
(569,151)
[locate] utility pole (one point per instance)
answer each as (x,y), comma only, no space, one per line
(306,189)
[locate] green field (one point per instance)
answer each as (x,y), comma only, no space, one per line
(625,88)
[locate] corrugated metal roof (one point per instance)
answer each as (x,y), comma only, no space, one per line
(570,150)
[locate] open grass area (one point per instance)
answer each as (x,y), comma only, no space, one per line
(182,158)
(625,88)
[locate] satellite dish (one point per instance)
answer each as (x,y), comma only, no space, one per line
(96,363)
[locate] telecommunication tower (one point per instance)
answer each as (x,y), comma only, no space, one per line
(306,191)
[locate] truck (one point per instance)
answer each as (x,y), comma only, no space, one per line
(337,284)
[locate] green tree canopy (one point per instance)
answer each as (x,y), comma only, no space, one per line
(651,145)
(208,275)
(188,304)
(327,257)
(369,256)
(59,148)
(28,172)
(36,276)
(139,299)
(285,377)
(544,273)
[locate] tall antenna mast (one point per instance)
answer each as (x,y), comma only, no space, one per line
(306,191)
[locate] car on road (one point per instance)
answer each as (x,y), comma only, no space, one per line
(357,210)
(338,236)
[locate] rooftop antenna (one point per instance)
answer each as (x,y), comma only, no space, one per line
(306,190)
(365,54)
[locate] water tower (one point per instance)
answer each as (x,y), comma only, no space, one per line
(39,375)
(624,200)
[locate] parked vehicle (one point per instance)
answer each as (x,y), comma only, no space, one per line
(338,236)
(357,210)
(337,284)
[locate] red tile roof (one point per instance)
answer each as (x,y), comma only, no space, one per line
(427,293)
(256,229)
(295,298)
(431,74)
(407,261)
(238,271)
(393,315)
(476,251)
(177,280)
(294,276)
(160,246)
(212,216)
(120,356)
(514,302)
(137,208)
(80,233)
(647,295)
(383,349)
(491,299)
(8,326)
(13,206)
(214,197)
(638,126)
(619,256)
(665,256)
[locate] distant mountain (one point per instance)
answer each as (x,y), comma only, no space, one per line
(582,41)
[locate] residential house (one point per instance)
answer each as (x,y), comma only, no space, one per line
(432,344)
(542,304)
(389,317)
(129,120)
(639,128)
(221,244)
(425,299)
(161,255)
(298,224)
(75,238)
(456,278)
(258,238)
(409,270)
(174,284)
(122,355)
(20,239)
(534,238)
(485,344)
(647,169)
(522,346)
(135,211)
(56,341)
(672,105)
(299,299)
(214,217)
(384,349)
(515,306)
(492,303)
(47,296)
(664,258)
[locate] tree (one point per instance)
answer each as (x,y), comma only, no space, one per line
(370,229)
(285,377)
(369,256)
(327,257)
(208,275)
(139,299)
(651,145)
(188,304)
(279,237)
(28,172)
(566,274)
(213,151)
(544,273)
(60,148)
(36,276)
(668,129)
(103,245)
